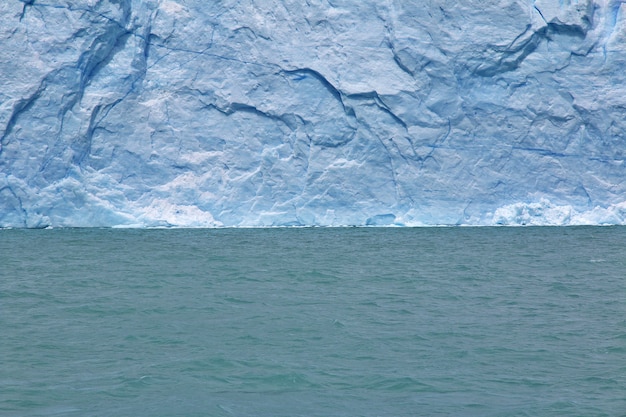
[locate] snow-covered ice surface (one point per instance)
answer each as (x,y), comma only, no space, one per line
(197,113)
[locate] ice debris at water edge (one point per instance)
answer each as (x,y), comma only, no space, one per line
(279,112)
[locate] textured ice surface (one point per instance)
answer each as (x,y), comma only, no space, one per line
(284,112)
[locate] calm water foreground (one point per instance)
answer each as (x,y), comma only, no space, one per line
(313,322)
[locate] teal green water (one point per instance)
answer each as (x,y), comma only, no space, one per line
(313,322)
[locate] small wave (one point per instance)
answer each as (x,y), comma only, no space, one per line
(397,384)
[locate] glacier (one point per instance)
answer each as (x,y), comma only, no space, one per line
(188,113)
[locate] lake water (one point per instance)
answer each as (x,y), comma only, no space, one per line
(313,322)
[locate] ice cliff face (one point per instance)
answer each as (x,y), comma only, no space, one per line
(316,112)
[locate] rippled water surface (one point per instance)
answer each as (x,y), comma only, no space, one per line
(313,322)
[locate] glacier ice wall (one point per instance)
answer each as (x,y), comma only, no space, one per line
(316,112)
